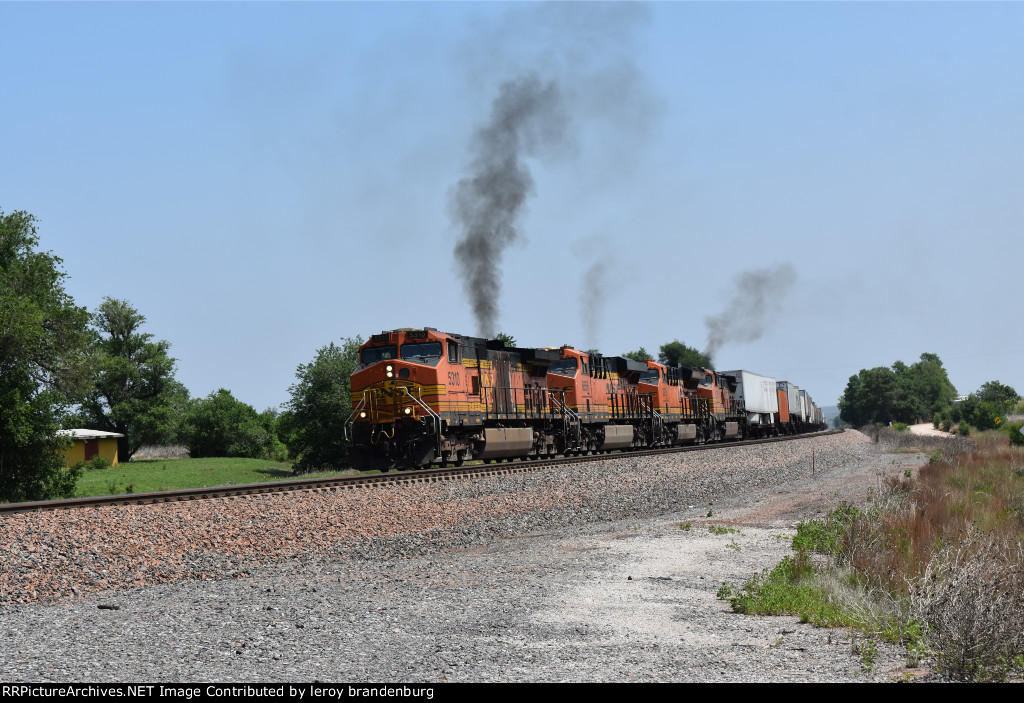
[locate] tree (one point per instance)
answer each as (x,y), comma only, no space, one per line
(929,381)
(320,405)
(986,409)
(996,392)
(220,425)
(135,392)
(506,339)
(43,364)
(868,397)
(640,354)
(676,353)
(902,393)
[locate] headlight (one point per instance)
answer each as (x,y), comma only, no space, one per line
(389,368)
(362,414)
(408,411)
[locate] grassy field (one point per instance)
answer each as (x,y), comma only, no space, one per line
(148,475)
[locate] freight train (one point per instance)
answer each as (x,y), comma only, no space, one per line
(423,397)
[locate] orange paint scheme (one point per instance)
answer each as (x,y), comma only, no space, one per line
(668,390)
(783,406)
(716,390)
(413,382)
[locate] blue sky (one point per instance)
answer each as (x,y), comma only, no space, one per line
(260,179)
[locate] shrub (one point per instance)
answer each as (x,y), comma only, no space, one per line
(900,426)
(1012,430)
(828,536)
(969,594)
(964,430)
(97,463)
(220,425)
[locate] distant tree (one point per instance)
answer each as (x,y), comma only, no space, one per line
(506,339)
(868,397)
(640,354)
(313,424)
(43,364)
(135,392)
(675,353)
(929,382)
(996,392)
(902,393)
(906,403)
(987,408)
(220,425)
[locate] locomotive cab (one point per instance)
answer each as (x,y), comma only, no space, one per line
(399,390)
(719,390)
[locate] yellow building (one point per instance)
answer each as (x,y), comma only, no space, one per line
(91,443)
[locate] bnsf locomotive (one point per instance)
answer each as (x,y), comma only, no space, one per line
(420,397)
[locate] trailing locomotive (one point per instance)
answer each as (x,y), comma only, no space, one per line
(421,397)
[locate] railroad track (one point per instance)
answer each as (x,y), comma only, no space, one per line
(369,480)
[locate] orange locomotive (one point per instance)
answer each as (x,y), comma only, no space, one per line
(420,396)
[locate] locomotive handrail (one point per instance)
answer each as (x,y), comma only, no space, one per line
(434,416)
(656,419)
(534,403)
(347,431)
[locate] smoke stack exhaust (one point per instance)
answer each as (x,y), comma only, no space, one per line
(757,297)
(527,118)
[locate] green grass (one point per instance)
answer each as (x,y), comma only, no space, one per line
(788,589)
(150,475)
(721,530)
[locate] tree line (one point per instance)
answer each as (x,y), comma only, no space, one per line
(62,366)
(922,392)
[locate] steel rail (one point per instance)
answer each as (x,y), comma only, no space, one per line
(372,480)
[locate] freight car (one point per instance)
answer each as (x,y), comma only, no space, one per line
(421,397)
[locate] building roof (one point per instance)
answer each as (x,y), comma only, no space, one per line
(88,434)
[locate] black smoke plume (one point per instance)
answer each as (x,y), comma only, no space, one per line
(527,118)
(756,298)
(593,294)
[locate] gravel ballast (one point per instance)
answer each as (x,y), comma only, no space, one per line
(577,573)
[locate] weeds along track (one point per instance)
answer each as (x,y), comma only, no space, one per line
(369,480)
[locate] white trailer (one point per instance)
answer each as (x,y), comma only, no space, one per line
(756,394)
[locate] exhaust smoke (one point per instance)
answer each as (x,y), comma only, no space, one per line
(757,297)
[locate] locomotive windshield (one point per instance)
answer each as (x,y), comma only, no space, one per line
(650,376)
(371,355)
(426,353)
(564,367)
